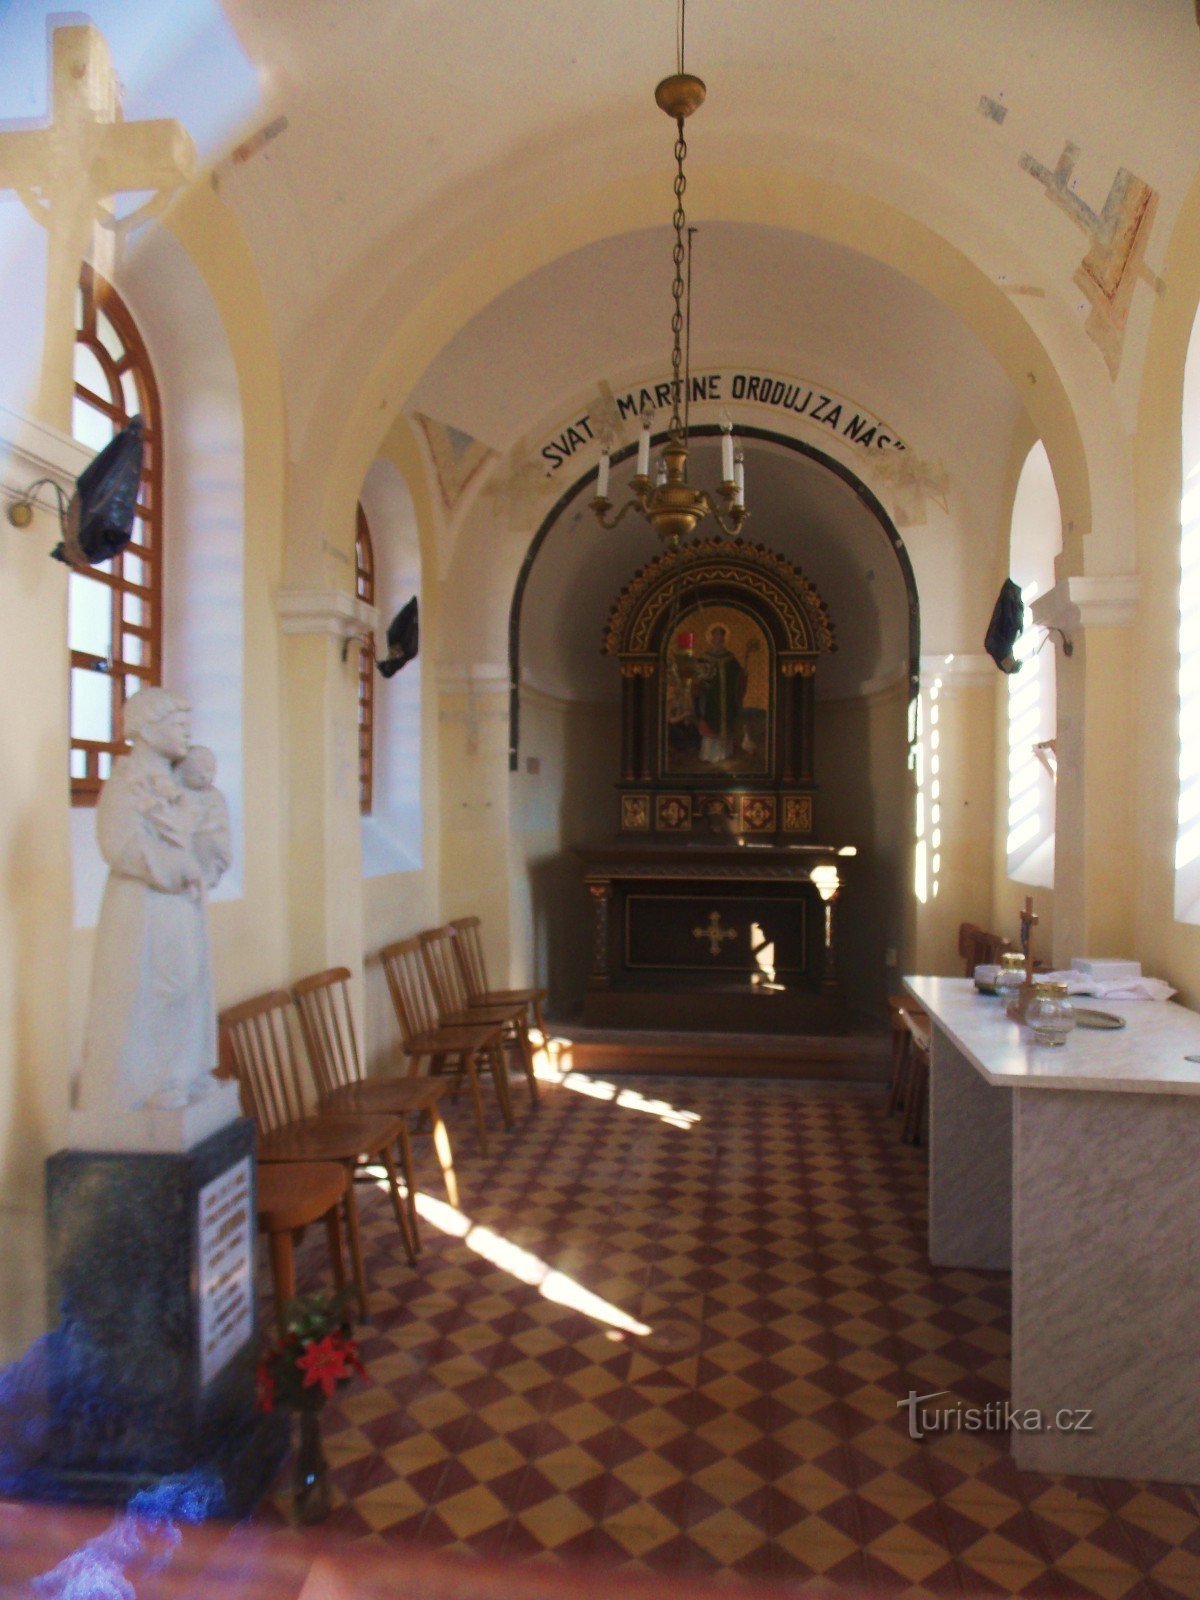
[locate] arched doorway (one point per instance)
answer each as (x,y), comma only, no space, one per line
(564,697)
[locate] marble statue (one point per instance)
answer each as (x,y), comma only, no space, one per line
(210,814)
(151,1040)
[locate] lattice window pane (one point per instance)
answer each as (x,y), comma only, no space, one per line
(106,620)
(89,615)
(91,427)
(91,705)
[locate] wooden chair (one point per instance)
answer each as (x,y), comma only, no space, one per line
(468,949)
(978,947)
(454,1002)
(272,1092)
(327,1023)
(917,1089)
(464,1048)
(289,1198)
(900,1037)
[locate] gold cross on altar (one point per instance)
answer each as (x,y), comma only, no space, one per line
(65,175)
(714,933)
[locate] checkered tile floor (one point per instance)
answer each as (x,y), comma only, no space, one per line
(669,1328)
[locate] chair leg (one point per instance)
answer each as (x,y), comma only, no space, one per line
(437,1068)
(355,1240)
(901,1051)
(527,1061)
(410,1181)
(441,1147)
(283,1274)
(541,1022)
(333,1234)
(918,1080)
(472,1076)
(398,1205)
(500,1074)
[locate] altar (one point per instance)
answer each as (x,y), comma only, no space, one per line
(710,935)
(714,908)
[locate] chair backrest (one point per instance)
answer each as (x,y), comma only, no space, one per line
(445,974)
(978,947)
(327,1023)
(264,1057)
(468,948)
(408,985)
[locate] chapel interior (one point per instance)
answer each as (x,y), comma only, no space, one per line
(549,977)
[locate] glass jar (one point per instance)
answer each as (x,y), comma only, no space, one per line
(1050,1013)
(1012,970)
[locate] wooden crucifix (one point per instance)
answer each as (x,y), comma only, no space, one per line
(1019,1004)
(1029,922)
(66,175)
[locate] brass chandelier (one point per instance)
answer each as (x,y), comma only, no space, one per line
(668,501)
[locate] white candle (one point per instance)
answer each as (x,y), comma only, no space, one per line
(739,477)
(726,455)
(602,480)
(644,451)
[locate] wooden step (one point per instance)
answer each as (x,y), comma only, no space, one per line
(841,1058)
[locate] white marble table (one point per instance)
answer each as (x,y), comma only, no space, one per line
(1078,1169)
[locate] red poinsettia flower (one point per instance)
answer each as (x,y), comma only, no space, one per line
(352,1359)
(325,1363)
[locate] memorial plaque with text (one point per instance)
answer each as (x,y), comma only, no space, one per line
(225,1266)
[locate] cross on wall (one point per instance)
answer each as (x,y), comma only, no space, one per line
(66,174)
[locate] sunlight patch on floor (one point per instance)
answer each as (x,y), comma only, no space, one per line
(550,1283)
(552,1064)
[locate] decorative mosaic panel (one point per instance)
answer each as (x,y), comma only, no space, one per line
(635,813)
(674,813)
(758,813)
(797,813)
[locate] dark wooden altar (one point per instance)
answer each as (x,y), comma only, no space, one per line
(714,936)
(713,910)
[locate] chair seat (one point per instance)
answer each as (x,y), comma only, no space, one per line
(509,997)
(295,1193)
(498,1016)
(395,1095)
(333,1136)
(473,1035)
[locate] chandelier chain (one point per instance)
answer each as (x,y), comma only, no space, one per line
(678,254)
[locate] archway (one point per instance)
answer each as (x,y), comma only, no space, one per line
(819,514)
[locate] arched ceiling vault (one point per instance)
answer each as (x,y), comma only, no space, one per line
(801,509)
(337,462)
(435,153)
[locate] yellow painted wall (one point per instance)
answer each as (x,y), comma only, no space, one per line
(398,904)
(569,799)
(865,799)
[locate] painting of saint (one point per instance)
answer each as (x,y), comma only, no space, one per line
(717,699)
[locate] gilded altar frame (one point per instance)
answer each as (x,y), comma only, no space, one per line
(747,767)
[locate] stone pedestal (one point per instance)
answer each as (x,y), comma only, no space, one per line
(150,1369)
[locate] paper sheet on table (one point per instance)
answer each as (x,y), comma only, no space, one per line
(1120,989)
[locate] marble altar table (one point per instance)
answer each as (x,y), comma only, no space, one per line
(1078,1169)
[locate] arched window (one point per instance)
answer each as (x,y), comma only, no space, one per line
(1187,841)
(114,618)
(364,563)
(1032,705)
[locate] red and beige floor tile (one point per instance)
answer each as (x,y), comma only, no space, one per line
(669,1330)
